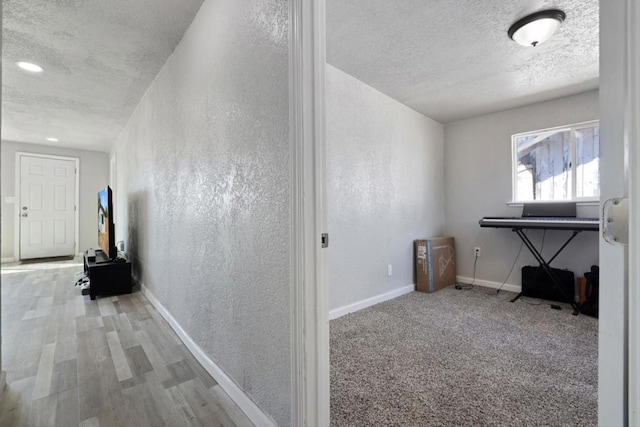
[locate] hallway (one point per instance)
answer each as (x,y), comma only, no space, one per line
(113,361)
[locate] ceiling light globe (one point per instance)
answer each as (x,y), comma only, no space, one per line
(536,32)
(536,28)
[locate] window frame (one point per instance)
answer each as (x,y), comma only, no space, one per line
(572,128)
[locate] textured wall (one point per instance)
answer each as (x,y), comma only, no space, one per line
(94,175)
(478,183)
(2,373)
(384,188)
(203,192)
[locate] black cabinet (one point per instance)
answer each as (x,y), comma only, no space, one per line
(107,278)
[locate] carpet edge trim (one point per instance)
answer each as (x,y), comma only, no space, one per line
(368,302)
(244,402)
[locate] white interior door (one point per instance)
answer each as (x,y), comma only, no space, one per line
(632,146)
(47,207)
(618,352)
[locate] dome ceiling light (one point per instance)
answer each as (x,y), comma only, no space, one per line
(536,28)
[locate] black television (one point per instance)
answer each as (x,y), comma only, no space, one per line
(106,229)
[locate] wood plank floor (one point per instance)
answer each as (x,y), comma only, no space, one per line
(114,361)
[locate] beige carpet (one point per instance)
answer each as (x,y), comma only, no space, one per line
(463,358)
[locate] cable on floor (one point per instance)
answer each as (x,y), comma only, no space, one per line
(468,287)
(512,265)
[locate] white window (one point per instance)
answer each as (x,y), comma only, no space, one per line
(559,164)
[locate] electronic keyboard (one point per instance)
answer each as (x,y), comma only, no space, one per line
(546,223)
(546,216)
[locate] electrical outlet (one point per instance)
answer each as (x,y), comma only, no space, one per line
(389,270)
(476,251)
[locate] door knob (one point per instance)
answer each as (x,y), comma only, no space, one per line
(25,215)
(24,208)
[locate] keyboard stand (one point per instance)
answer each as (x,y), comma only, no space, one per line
(546,267)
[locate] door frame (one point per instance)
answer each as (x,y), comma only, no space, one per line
(308,287)
(18,202)
(618,340)
(309,309)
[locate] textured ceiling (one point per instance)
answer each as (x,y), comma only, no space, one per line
(446,59)
(99,58)
(453,59)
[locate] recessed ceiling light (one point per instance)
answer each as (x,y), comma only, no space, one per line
(28,66)
(537,27)
(52,139)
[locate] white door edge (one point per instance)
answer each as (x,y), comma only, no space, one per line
(633,109)
(18,203)
(618,347)
(309,306)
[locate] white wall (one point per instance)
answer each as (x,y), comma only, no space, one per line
(203,193)
(478,183)
(384,188)
(94,175)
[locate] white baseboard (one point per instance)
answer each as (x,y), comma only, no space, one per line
(8,259)
(356,306)
(244,402)
(489,284)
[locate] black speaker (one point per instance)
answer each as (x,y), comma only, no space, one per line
(536,283)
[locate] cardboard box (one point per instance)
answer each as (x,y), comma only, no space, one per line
(435,261)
